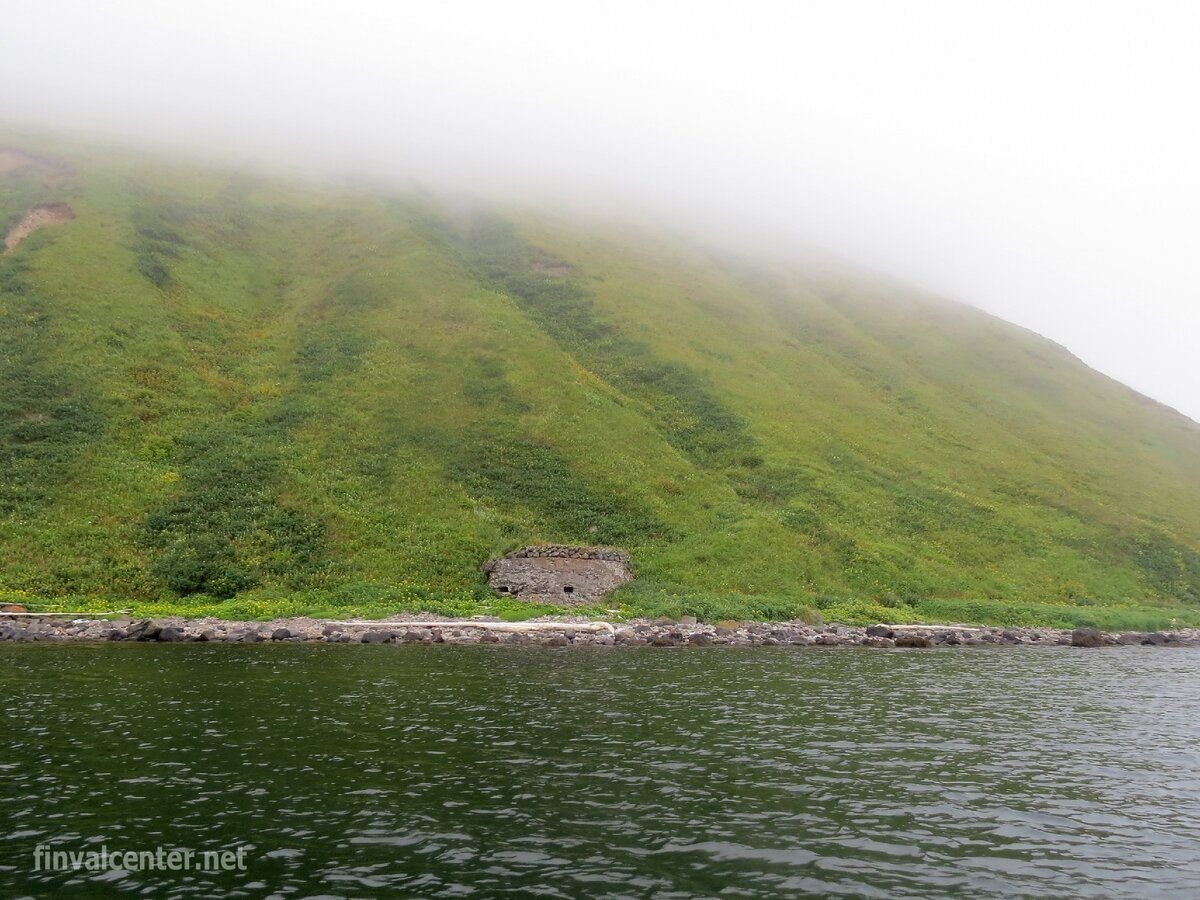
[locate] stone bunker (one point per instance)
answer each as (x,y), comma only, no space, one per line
(559,574)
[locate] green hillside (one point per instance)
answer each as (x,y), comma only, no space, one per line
(223,393)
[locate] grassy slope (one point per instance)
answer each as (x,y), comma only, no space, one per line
(228,394)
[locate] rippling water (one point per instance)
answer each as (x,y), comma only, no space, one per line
(434,771)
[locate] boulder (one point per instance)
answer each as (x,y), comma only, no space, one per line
(134,631)
(1087,637)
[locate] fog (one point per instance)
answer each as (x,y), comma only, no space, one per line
(1039,160)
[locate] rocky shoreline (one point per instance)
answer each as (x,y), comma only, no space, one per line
(569,632)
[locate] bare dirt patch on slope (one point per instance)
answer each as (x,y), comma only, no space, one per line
(51,170)
(38,217)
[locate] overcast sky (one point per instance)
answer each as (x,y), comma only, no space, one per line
(1040,160)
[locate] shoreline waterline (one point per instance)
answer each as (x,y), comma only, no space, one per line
(565,632)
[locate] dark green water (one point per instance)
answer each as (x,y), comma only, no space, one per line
(438,771)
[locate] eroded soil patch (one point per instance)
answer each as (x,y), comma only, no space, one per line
(38,217)
(50,169)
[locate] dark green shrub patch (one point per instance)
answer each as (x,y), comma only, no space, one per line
(47,417)
(160,224)
(518,473)
(1168,565)
(228,529)
(685,410)
(330,348)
